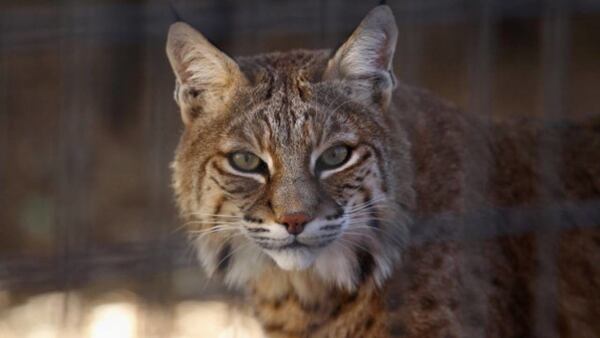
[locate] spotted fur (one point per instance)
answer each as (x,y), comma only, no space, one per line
(408,155)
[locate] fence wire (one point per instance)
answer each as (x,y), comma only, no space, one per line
(103,131)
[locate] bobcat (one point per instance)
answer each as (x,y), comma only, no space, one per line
(302,174)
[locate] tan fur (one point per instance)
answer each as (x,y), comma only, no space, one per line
(409,165)
(291,305)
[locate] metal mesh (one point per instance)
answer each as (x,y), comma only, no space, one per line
(88,127)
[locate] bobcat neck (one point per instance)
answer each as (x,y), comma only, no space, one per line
(298,305)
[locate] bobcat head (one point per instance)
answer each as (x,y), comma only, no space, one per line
(291,160)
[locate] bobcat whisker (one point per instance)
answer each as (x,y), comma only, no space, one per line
(354,244)
(320,237)
(367,204)
(257,230)
(361,237)
(199,222)
(330,227)
(212,223)
(370,205)
(206,232)
(364,221)
(215,228)
(228,235)
(374,212)
(367,216)
(383,231)
(178,228)
(267,239)
(233,252)
(212,215)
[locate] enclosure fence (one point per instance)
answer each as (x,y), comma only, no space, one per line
(87,122)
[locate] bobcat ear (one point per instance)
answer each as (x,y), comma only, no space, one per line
(364,61)
(207,79)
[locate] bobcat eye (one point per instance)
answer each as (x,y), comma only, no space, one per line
(333,157)
(246,162)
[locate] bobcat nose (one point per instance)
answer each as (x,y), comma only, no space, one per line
(294,222)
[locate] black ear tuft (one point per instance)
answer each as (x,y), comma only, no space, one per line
(175,13)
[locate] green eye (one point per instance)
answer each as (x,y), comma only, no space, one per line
(245,161)
(333,157)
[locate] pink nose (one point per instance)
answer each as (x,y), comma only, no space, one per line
(294,222)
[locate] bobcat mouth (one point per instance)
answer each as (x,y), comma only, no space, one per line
(295,244)
(293,252)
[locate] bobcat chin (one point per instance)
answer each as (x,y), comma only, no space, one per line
(294,259)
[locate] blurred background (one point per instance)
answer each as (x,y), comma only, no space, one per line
(90,243)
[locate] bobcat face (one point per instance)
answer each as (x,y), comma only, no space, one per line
(285,157)
(298,175)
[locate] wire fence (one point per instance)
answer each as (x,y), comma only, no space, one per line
(88,126)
